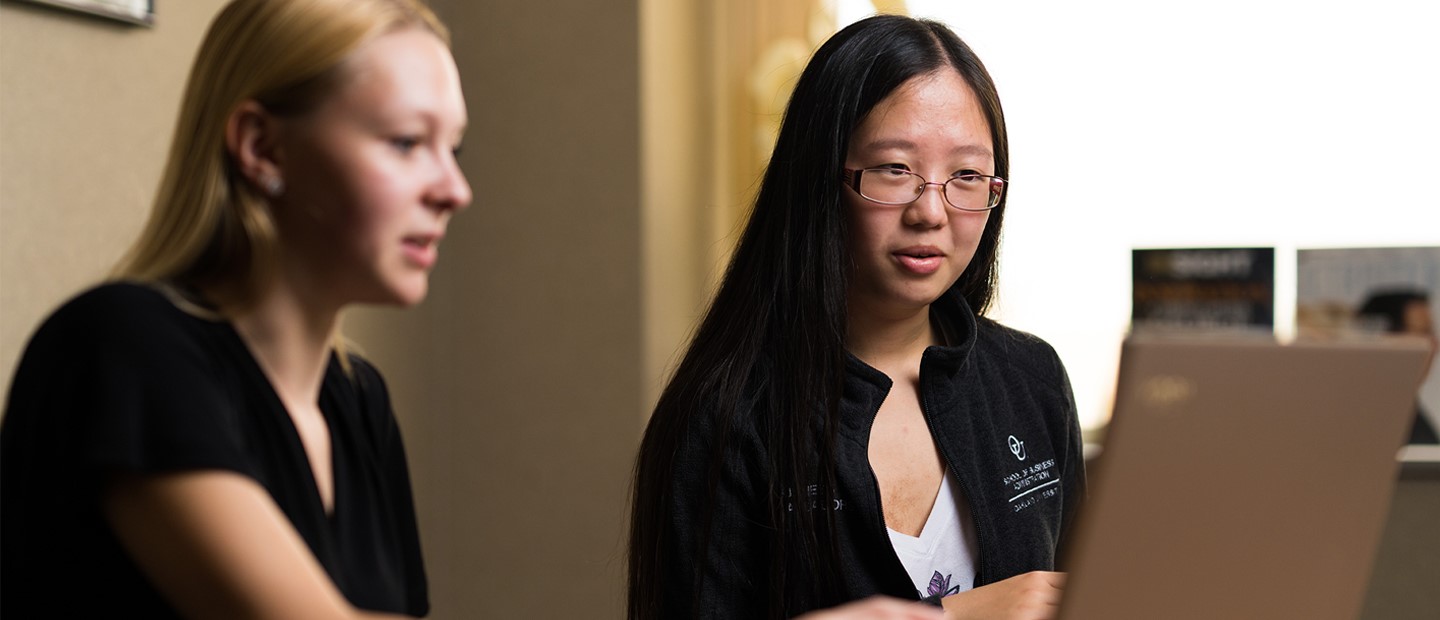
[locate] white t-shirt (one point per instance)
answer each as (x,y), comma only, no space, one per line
(941,561)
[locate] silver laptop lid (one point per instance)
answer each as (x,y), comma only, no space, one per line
(1242,479)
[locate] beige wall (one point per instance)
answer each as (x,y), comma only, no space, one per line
(87,107)
(678,238)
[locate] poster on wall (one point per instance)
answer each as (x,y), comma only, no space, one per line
(1374,292)
(130,11)
(1229,290)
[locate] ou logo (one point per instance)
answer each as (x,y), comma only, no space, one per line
(1017,447)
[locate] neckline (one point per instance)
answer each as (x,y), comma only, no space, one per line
(931,532)
(292,433)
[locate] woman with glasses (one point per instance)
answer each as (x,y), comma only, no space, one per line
(189,440)
(846,422)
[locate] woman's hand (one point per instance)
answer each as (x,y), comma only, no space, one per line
(1031,596)
(877,608)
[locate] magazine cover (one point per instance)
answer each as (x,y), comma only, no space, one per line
(1355,292)
(1205,289)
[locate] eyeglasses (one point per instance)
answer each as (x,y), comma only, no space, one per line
(893,186)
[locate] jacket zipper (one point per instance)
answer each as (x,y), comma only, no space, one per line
(880,505)
(980,538)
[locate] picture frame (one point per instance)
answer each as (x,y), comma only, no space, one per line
(137,12)
(1215,290)
(1341,294)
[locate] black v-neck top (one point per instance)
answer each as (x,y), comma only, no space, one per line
(121,380)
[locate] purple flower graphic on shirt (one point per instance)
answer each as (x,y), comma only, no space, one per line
(940,585)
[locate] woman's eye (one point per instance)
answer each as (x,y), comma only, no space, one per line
(892,170)
(405,144)
(969,176)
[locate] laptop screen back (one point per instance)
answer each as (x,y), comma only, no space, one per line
(1242,479)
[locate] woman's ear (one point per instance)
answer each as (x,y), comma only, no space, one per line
(252,138)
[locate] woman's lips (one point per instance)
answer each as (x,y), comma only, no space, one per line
(422,250)
(920,260)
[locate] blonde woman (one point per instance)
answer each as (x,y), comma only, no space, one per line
(187,440)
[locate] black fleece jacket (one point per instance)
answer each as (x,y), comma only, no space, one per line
(999,406)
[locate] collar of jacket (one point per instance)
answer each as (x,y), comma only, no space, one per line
(866,387)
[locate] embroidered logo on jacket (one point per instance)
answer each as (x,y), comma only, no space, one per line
(815,502)
(1017,448)
(1032,484)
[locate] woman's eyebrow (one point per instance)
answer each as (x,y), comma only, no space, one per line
(901,144)
(972,149)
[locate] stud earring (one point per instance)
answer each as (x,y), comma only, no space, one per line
(273,185)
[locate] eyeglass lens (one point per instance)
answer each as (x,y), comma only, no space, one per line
(969,192)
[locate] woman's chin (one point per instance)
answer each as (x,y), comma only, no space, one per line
(400,294)
(412,297)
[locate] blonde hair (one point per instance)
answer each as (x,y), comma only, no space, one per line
(209,226)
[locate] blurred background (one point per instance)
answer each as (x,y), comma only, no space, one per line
(614,147)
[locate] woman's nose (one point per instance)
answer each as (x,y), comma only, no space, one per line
(929,209)
(451,191)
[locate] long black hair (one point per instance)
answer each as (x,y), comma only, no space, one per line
(780,312)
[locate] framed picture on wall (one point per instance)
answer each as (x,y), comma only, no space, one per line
(1203,289)
(1349,293)
(141,12)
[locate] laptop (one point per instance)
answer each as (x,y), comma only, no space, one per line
(1242,479)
